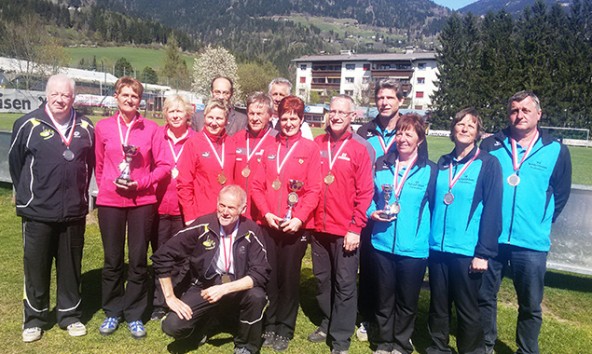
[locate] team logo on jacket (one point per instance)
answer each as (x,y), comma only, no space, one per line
(47,134)
(239,150)
(271,157)
(343,156)
(205,154)
(209,244)
(242,250)
(300,161)
(77,134)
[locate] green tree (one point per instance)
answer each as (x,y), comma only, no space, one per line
(123,68)
(149,76)
(174,71)
(255,76)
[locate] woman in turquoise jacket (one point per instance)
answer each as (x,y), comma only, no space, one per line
(404,185)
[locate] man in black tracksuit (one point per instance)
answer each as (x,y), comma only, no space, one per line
(228,267)
(51,161)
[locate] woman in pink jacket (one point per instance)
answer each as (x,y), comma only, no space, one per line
(131,161)
(175,134)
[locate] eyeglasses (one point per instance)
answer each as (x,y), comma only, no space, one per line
(339,114)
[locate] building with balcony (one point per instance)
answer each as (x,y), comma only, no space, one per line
(356,74)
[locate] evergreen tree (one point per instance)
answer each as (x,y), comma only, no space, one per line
(123,68)
(149,76)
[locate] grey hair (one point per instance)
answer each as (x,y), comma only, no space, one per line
(59,78)
(521,96)
(389,84)
(344,97)
(237,190)
(279,81)
(262,99)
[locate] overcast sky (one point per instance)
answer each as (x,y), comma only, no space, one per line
(454,4)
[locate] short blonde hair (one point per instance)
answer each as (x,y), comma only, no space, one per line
(177,100)
(217,103)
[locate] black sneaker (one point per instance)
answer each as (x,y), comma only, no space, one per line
(158,314)
(268,339)
(317,336)
(281,343)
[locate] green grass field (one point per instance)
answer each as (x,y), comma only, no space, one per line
(567,327)
(138,57)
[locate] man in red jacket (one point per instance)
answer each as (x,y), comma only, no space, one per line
(346,169)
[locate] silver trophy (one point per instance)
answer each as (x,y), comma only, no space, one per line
(129,151)
(295,186)
(387,192)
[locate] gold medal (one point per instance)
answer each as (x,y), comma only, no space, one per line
(329,178)
(174,172)
(292,198)
(276,184)
(246,172)
(226,278)
(221,178)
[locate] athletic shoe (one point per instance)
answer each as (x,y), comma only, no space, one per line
(109,326)
(76,329)
(281,343)
(362,332)
(137,329)
(317,336)
(268,339)
(32,334)
(241,350)
(158,314)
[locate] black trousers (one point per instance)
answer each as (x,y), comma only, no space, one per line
(42,242)
(367,279)
(335,271)
(248,304)
(284,253)
(131,300)
(397,294)
(451,281)
(166,226)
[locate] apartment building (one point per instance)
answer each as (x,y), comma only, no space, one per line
(355,75)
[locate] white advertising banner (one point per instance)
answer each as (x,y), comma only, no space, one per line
(20,101)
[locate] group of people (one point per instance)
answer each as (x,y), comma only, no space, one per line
(230,202)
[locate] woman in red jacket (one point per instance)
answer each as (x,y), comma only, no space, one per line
(207,164)
(286,191)
(175,134)
(130,162)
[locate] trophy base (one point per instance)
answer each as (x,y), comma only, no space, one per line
(386,215)
(122,181)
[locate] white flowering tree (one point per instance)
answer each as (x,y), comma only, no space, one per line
(215,61)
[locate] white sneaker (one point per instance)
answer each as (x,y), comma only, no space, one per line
(76,329)
(32,334)
(362,332)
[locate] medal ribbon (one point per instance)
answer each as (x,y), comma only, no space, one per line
(250,154)
(66,140)
(220,160)
(399,187)
(127,134)
(228,257)
(452,181)
(515,152)
(384,146)
(277,161)
(332,160)
(171,145)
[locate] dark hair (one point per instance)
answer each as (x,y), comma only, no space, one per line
(128,81)
(412,121)
(389,84)
(461,115)
(225,78)
(291,103)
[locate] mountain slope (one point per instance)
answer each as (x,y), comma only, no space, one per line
(513,7)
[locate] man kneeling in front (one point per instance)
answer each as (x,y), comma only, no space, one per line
(229,271)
